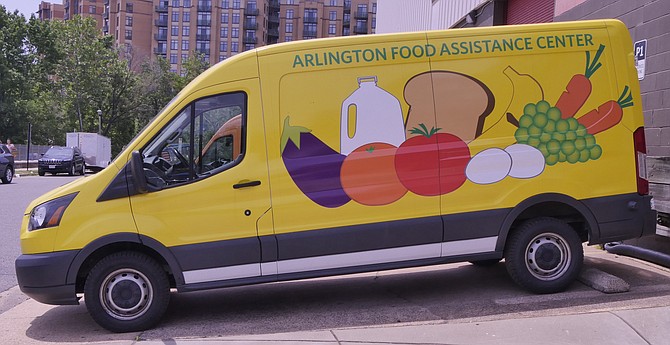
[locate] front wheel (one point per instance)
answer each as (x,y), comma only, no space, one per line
(127,292)
(544,255)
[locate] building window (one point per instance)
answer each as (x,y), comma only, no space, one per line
(236,4)
(129,21)
(91,9)
(184,57)
(289,14)
(234,47)
(374,22)
(236,18)
(204,18)
(204,32)
(362,9)
(202,46)
(374,7)
(186,17)
(345,31)
(129,34)
(288,38)
(185,30)
(310,15)
(309,30)
(175,3)
(184,44)
(289,27)
(224,3)
(173,58)
(333,2)
(174,44)
(174,31)
(129,7)
(235,33)
(224,18)
(224,32)
(222,57)
(332,29)
(187,3)
(249,46)
(290,2)
(223,47)
(175,16)
(332,15)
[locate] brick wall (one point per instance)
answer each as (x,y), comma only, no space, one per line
(648,20)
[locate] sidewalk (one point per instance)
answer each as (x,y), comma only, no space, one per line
(643,320)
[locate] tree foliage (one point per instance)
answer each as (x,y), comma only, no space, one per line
(56,75)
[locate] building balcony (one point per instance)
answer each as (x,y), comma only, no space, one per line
(249,39)
(105,2)
(202,50)
(250,25)
(204,22)
(273,33)
(361,15)
(346,22)
(361,29)
(310,19)
(251,11)
(159,50)
(309,33)
(161,22)
(105,15)
(274,4)
(202,37)
(347,6)
(105,28)
(273,18)
(160,36)
(162,7)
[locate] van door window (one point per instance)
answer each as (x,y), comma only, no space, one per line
(205,138)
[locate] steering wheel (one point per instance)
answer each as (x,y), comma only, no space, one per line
(180,157)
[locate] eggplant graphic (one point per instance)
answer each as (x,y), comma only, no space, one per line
(313,166)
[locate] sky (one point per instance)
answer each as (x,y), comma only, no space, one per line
(26,7)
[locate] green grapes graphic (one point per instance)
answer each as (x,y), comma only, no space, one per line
(559,140)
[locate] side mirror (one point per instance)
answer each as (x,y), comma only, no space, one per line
(137,172)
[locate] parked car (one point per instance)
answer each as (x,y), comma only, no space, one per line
(60,159)
(6,164)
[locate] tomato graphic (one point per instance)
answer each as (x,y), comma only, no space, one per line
(368,175)
(432,163)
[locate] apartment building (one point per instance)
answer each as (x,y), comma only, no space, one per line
(218,29)
(49,11)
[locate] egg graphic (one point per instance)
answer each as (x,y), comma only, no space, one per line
(489,166)
(527,161)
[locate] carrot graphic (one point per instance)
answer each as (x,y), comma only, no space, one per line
(608,114)
(578,89)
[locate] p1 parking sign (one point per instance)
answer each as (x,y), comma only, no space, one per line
(640,58)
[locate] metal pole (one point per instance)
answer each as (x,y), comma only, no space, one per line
(99,121)
(30,127)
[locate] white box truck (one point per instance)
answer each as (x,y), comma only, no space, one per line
(96,148)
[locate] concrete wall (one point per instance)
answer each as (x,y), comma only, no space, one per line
(648,20)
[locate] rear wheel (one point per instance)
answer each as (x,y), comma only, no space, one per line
(8,176)
(127,292)
(544,255)
(83,169)
(72,170)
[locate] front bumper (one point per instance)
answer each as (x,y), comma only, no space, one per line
(43,277)
(55,168)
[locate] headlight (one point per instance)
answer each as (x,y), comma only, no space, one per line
(49,214)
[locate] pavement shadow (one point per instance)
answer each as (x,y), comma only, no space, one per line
(438,293)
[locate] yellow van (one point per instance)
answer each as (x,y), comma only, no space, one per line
(355,154)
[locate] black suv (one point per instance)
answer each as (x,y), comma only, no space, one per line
(60,159)
(6,164)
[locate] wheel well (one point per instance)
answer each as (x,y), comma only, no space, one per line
(102,252)
(559,210)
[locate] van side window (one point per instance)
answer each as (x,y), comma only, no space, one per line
(206,137)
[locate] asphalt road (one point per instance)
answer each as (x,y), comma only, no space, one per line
(14,198)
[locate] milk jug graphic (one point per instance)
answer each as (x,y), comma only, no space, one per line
(370,114)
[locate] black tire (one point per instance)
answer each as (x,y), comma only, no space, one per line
(40,172)
(8,176)
(127,292)
(83,169)
(72,170)
(485,263)
(544,255)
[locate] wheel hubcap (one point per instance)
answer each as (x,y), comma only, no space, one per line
(548,256)
(126,294)
(9,175)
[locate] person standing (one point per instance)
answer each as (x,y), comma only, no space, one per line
(11,147)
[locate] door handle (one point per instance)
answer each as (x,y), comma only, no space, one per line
(246,184)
